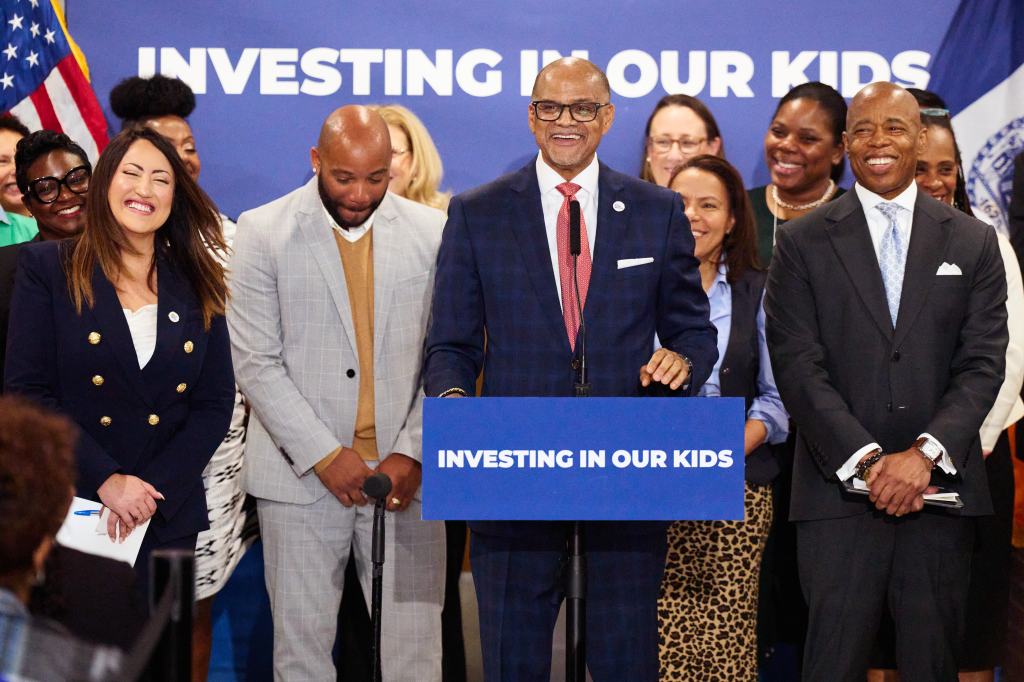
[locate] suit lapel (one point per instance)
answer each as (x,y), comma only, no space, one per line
(611,231)
(848,232)
(528,226)
(386,236)
(928,238)
(172,297)
(114,332)
(319,238)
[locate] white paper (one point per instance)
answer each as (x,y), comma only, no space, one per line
(86,534)
(950,496)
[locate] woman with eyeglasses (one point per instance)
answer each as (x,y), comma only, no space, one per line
(680,128)
(416,168)
(122,330)
(53,173)
(804,152)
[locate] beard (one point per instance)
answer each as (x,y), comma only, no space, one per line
(332,207)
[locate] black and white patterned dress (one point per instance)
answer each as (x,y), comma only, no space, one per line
(233,525)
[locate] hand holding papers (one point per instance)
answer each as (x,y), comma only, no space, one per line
(939,497)
(85,529)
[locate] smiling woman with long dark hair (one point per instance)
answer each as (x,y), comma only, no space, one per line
(122,329)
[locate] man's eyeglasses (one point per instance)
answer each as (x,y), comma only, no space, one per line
(45,190)
(687,145)
(581,112)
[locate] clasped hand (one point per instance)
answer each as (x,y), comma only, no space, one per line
(898,481)
(131,502)
(665,367)
(345,476)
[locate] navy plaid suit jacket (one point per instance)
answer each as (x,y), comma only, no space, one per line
(494,272)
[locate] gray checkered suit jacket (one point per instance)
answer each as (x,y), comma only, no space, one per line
(294,345)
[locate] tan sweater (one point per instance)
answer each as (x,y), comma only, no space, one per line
(357,262)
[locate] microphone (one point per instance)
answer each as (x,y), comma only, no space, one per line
(574,228)
(582,388)
(377,486)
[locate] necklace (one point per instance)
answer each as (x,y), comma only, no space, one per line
(804,207)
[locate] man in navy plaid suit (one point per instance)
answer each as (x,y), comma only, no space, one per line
(504,269)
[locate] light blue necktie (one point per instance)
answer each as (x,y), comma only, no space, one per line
(892,258)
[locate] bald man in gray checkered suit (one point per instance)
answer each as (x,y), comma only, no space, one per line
(330,292)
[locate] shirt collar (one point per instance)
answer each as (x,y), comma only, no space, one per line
(548,179)
(358,229)
(905,199)
(3,217)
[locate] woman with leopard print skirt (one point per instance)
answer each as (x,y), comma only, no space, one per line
(708,604)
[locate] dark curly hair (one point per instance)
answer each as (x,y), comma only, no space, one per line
(38,144)
(11,122)
(36,479)
(136,100)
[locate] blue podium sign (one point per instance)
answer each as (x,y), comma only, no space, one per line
(583,458)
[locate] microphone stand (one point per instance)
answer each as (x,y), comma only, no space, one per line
(378,487)
(576,574)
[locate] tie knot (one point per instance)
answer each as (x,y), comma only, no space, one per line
(568,189)
(890,210)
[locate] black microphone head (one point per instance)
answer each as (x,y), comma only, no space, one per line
(377,486)
(574,228)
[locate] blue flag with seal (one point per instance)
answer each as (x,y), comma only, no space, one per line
(979,71)
(591,459)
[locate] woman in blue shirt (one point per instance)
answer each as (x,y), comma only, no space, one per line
(708,603)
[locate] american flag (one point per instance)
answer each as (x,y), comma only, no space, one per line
(43,75)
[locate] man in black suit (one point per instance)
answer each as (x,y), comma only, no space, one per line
(887,332)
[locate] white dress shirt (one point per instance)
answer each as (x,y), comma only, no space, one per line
(1008,407)
(878,223)
(551,203)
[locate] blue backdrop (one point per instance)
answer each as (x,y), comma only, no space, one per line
(460,66)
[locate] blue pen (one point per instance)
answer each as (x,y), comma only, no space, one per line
(87,512)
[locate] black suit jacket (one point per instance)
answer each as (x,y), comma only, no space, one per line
(848,379)
(161,423)
(8,266)
(741,364)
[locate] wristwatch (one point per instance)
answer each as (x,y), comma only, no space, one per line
(930,448)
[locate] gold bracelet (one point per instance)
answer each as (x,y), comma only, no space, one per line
(450,391)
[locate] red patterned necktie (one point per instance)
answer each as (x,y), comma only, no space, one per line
(570,312)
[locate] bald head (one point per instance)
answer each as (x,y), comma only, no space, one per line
(352,161)
(354,125)
(884,137)
(572,69)
(883,94)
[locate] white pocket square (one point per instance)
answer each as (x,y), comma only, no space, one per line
(948,269)
(633,262)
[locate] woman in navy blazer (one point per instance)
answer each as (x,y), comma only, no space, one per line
(83,316)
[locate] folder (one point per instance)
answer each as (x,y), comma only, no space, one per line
(942,497)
